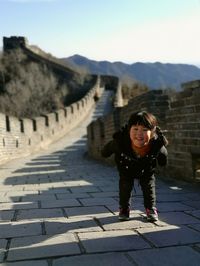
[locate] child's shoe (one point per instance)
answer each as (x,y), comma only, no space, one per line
(152,215)
(124,214)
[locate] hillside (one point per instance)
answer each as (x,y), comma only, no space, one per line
(154,75)
(34,83)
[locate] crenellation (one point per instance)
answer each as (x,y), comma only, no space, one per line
(28,126)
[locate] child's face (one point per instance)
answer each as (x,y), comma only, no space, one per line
(140,135)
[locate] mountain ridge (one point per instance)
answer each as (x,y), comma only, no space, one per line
(155,75)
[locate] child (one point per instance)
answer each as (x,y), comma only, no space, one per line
(137,148)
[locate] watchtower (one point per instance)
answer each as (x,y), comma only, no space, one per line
(14,42)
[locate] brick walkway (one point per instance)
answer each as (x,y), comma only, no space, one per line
(60,208)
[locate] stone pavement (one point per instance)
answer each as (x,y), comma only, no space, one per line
(60,208)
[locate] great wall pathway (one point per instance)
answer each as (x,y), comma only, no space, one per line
(60,208)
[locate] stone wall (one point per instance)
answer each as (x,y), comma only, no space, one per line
(21,137)
(178,115)
(183,124)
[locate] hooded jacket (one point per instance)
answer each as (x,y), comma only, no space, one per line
(129,164)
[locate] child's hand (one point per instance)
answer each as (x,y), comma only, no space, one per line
(161,137)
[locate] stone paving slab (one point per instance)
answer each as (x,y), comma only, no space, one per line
(195,226)
(3,244)
(42,246)
(35,198)
(112,241)
(6,215)
(9,199)
(173,197)
(43,188)
(178,218)
(195,213)
(65,196)
(195,204)
(6,188)
(98,201)
(20,229)
(39,214)
(108,188)
(193,196)
(135,210)
(84,189)
(53,185)
(173,206)
(60,203)
(47,191)
(167,190)
(113,223)
(182,256)
(18,205)
(12,194)
(63,225)
(110,259)
(76,183)
(93,211)
(26,263)
(104,194)
(170,235)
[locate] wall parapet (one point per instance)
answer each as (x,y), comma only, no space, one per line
(21,137)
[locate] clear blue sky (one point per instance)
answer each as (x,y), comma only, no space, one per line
(113,30)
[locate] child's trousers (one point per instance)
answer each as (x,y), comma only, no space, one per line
(147,184)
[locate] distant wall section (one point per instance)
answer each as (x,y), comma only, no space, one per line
(21,137)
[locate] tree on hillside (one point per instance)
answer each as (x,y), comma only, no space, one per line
(28,89)
(131,88)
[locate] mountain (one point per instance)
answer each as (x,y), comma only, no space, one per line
(155,75)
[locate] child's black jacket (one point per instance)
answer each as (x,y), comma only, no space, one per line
(127,161)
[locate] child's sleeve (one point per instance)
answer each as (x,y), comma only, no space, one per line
(108,149)
(161,136)
(162,156)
